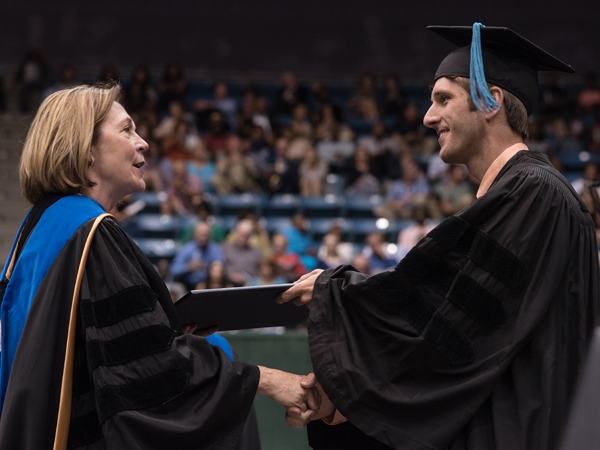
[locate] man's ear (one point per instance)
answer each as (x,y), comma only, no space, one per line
(498,95)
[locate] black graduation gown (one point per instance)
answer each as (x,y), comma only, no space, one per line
(139,382)
(476,339)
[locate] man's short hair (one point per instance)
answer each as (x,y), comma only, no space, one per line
(514,109)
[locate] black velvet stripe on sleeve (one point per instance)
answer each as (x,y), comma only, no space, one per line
(131,346)
(141,394)
(117,307)
(480,248)
(437,329)
(454,285)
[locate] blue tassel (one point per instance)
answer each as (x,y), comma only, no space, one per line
(479,87)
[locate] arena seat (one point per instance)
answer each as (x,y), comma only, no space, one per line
(329,205)
(158,226)
(157,248)
(281,205)
(231,204)
(362,206)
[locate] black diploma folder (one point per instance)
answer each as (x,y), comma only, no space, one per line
(239,308)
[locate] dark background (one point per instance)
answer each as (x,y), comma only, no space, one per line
(327,38)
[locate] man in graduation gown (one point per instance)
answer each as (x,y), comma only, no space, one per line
(476,339)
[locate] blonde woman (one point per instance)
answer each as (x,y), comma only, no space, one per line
(138,380)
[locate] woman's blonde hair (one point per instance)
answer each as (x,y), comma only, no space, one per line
(57,149)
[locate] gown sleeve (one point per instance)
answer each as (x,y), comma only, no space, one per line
(139,382)
(507,288)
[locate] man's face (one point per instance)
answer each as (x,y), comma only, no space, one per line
(460,129)
(202,234)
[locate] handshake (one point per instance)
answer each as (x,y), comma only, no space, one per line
(302,396)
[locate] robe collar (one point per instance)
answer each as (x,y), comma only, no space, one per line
(497,165)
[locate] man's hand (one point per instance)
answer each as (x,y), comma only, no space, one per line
(302,292)
(294,416)
(286,389)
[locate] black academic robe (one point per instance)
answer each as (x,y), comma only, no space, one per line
(476,339)
(139,382)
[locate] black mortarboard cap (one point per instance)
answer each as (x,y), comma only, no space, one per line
(510,61)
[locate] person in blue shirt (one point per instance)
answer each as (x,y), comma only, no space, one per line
(191,263)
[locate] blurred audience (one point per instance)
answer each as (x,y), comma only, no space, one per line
(241,259)
(216,278)
(404,193)
(377,253)
(173,86)
(190,265)
(287,264)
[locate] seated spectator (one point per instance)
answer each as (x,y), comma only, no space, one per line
(173,86)
(203,214)
(290,95)
(259,238)
(361,263)
(201,166)
(217,136)
(363,102)
(327,126)
(260,118)
(245,117)
(590,175)
(140,91)
(410,236)
(278,173)
(312,173)
(184,190)
(216,278)
(267,275)
(299,241)
(377,142)
(236,172)
(190,265)
(455,193)
(222,102)
(287,264)
(414,136)
(360,180)
(436,168)
(393,101)
(376,252)
(241,260)
(300,126)
(168,125)
(257,140)
(404,193)
(153,174)
(330,253)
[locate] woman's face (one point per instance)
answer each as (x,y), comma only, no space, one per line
(118,156)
